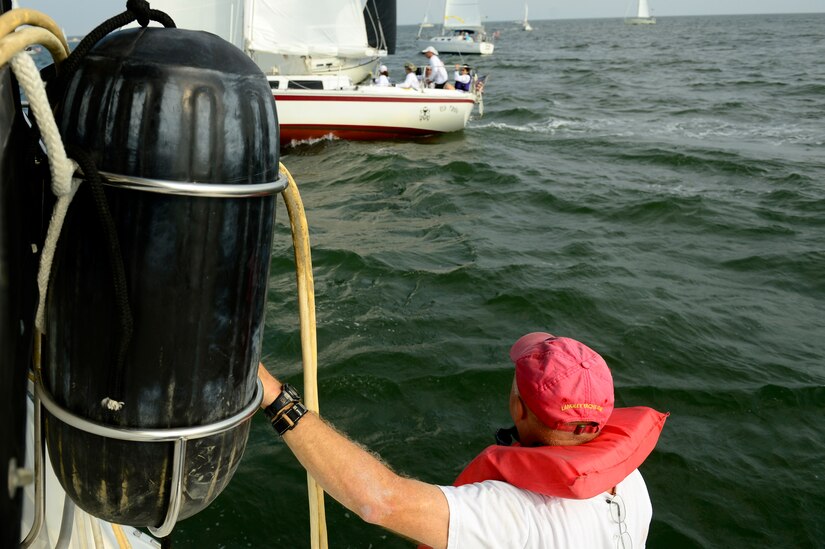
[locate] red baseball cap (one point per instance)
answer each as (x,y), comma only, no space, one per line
(562,380)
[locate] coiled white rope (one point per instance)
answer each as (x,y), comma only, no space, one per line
(13,41)
(62,168)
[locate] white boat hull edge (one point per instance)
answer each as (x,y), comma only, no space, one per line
(370,112)
(452,44)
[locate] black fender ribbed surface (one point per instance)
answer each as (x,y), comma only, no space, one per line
(174,105)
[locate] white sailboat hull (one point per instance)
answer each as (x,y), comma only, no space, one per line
(457,44)
(370,113)
(641,21)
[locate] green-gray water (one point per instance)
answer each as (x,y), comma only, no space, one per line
(657,192)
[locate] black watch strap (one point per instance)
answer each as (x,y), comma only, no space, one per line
(286,409)
(289,419)
(289,396)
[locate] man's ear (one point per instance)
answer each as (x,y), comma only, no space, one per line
(521,409)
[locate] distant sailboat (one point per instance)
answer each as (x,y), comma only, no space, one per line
(525,25)
(425,24)
(642,15)
(462,30)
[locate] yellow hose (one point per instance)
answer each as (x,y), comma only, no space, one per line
(306,311)
(42,30)
(12,19)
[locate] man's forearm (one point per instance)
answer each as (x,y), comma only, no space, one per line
(362,483)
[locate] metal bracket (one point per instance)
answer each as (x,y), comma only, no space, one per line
(178,435)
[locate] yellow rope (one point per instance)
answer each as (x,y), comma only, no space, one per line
(14,43)
(43,30)
(10,20)
(306,310)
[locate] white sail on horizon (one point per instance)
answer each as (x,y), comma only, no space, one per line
(643,11)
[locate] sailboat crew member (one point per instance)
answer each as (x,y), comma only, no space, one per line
(383,76)
(462,77)
(561,398)
(411,80)
(437,73)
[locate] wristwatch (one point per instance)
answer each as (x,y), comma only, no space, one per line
(286,410)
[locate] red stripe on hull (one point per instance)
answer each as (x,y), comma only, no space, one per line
(352,133)
(360,99)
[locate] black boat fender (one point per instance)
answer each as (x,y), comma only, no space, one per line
(154,316)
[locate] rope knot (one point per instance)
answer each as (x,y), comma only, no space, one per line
(140,9)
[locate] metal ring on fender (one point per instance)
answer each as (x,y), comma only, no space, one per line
(217,190)
(178,435)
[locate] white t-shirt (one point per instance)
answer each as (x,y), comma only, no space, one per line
(498,515)
(382,80)
(438,72)
(411,81)
(463,78)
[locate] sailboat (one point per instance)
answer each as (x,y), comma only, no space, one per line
(425,24)
(462,31)
(643,16)
(320,101)
(525,25)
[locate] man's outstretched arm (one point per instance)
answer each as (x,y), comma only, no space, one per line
(360,482)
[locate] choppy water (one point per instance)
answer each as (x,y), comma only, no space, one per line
(657,192)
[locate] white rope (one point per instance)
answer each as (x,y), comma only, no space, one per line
(62,168)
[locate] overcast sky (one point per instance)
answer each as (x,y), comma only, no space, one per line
(80,16)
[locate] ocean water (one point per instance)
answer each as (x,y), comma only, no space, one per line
(656,192)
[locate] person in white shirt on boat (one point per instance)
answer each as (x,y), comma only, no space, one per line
(411,80)
(462,77)
(383,76)
(436,72)
(561,396)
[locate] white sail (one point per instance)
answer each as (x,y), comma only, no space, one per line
(221,17)
(461,14)
(299,27)
(287,36)
(525,25)
(643,11)
(288,27)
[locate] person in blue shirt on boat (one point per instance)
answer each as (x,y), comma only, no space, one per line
(436,72)
(411,79)
(463,79)
(571,480)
